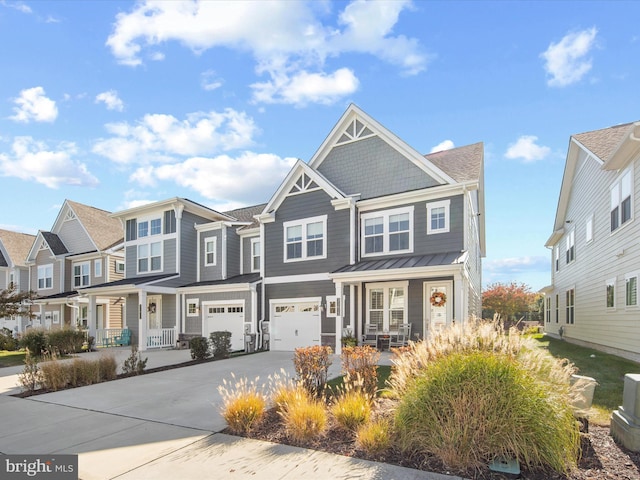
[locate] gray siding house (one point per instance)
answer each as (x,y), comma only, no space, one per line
(595,254)
(370,231)
(14,248)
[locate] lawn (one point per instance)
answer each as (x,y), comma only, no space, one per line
(11,359)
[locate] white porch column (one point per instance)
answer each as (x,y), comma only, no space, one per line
(142,320)
(339,318)
(458,287)
(92,316)
(352,309)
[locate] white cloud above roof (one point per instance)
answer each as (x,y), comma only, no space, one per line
(291,47)
(34,105)
(111,100)
(444,145)
(35,161)
(527,149)
(567,61)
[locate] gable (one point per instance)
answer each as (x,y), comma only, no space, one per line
(3,261)
(15,247)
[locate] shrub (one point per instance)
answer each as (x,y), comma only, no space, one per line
(108,367)
(7,342)
(134,364)
(468,408)
(31,377)
(374,437)
(199,348)
(84,372)
(243,405)
(55,374)
(359,365)
(312,367)
(65,341)
(352,409)
(220,344)
(283,391)
(304,418)
(34,340)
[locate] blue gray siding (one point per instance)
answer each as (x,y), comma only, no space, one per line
(213,272)
(193,325)
(246,254)
(189,245)
(387,171)
(233,253)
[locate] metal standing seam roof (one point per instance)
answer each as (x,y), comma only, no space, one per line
(413,261)
(133,281)
(238,279)
(72,293)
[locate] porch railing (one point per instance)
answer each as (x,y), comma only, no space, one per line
(161,337)
(105,336)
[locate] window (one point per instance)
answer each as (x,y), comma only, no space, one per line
(333,306)
(81,275)
(131,230)
(631,290)
(387,232)
(120,266)
(156,226)
(438,217)
(149,227)
(611,293)
(305,239)
(557,308)
(621,208)
(571,247)
(570,306)
(150,257)
(547,309)
(387,305)
(169,221)
(97,267)
(143,229)
(589,230)
(192,308)
(45,276)
(556,250)
(255,255)
(210,251)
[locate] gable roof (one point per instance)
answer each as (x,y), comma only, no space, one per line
(16,246)
(463,164)
(104,230)
(604,142)
(247,214)
(188,205)
(371,126)
(56,245)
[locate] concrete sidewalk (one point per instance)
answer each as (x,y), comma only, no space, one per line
(165,426)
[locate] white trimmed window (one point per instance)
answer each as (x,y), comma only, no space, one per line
(570,305)
(390,231)
(556,256)
(150,257)
(570,250)
(81,274)
(438,217)
(120,266)
(387,305)
(305,239)
(150,226)
(210,251)
(589,230)
(97,267)
(333,306)
(611,293)
(192,307)
(547,309)
(631,290)
(255,254)
(557,308)
(621,201)
(45,276)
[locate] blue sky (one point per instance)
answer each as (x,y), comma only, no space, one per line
(114,104)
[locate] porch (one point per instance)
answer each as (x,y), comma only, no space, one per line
(156,337)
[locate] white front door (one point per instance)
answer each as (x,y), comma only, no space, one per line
(295,324)
(228,318)
(154,312)
(438,304)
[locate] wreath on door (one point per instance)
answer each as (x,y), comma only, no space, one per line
(438,299)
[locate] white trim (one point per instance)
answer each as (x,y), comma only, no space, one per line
(192,301)
(44,268)
(98,265)
(73,274)
(627,277)
(252,242)
(386,307)
(404,273)
(303,223)
(310,277)
(211,240)
(149,257)
(610,282)
(589,231)
(446,204)
(416,196)
(222,288)
(385,215)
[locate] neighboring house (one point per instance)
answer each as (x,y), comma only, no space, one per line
(595,254)
(366,233)
(83,248)
(14,248)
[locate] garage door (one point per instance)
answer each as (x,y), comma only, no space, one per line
(229,318)
(295,325)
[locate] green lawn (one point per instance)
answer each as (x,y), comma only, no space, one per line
(11,359)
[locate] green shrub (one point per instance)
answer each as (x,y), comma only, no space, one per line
(312,367)
(65,341)
(199,348)
(7,342)
(374,437)
(243,405)
(134,364)
(359,365)
(352,409)
(468,408)
(34,340)
(220,344)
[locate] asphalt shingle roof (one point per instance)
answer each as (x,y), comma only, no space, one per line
(55,244)
(246,214)
(104,230)
(17,246)
(603,142)
(463,164)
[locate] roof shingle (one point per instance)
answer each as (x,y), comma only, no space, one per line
(603,142)
(463,164)
(17,246)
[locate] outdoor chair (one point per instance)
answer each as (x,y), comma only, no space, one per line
(401,339)
(370,336)
(124,338)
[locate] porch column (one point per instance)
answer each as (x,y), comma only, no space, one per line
(92,316)
(142,320)
(458,288)
(357,300)
(339,318)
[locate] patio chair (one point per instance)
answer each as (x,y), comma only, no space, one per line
(370,336)
(124,338)
(401,339)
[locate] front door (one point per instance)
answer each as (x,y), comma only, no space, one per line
(154,312)
(438,305)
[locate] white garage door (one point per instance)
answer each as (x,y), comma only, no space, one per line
(295,325)
(226,317)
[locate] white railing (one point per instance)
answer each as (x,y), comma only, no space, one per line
(105,336)
(161,337)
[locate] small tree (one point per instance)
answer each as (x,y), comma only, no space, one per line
(13,302)
(508,300)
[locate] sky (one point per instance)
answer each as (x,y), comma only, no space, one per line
(115,104)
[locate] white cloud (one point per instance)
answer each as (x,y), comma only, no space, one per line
(210,81)
(444,145)
(111,100)
(566,62)
(517,264)
(158,138)
(245,179)
(20,6)
(525,147)
(34,161)
(291,44)
(33,104)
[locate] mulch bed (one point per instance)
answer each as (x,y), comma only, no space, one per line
(601,457)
